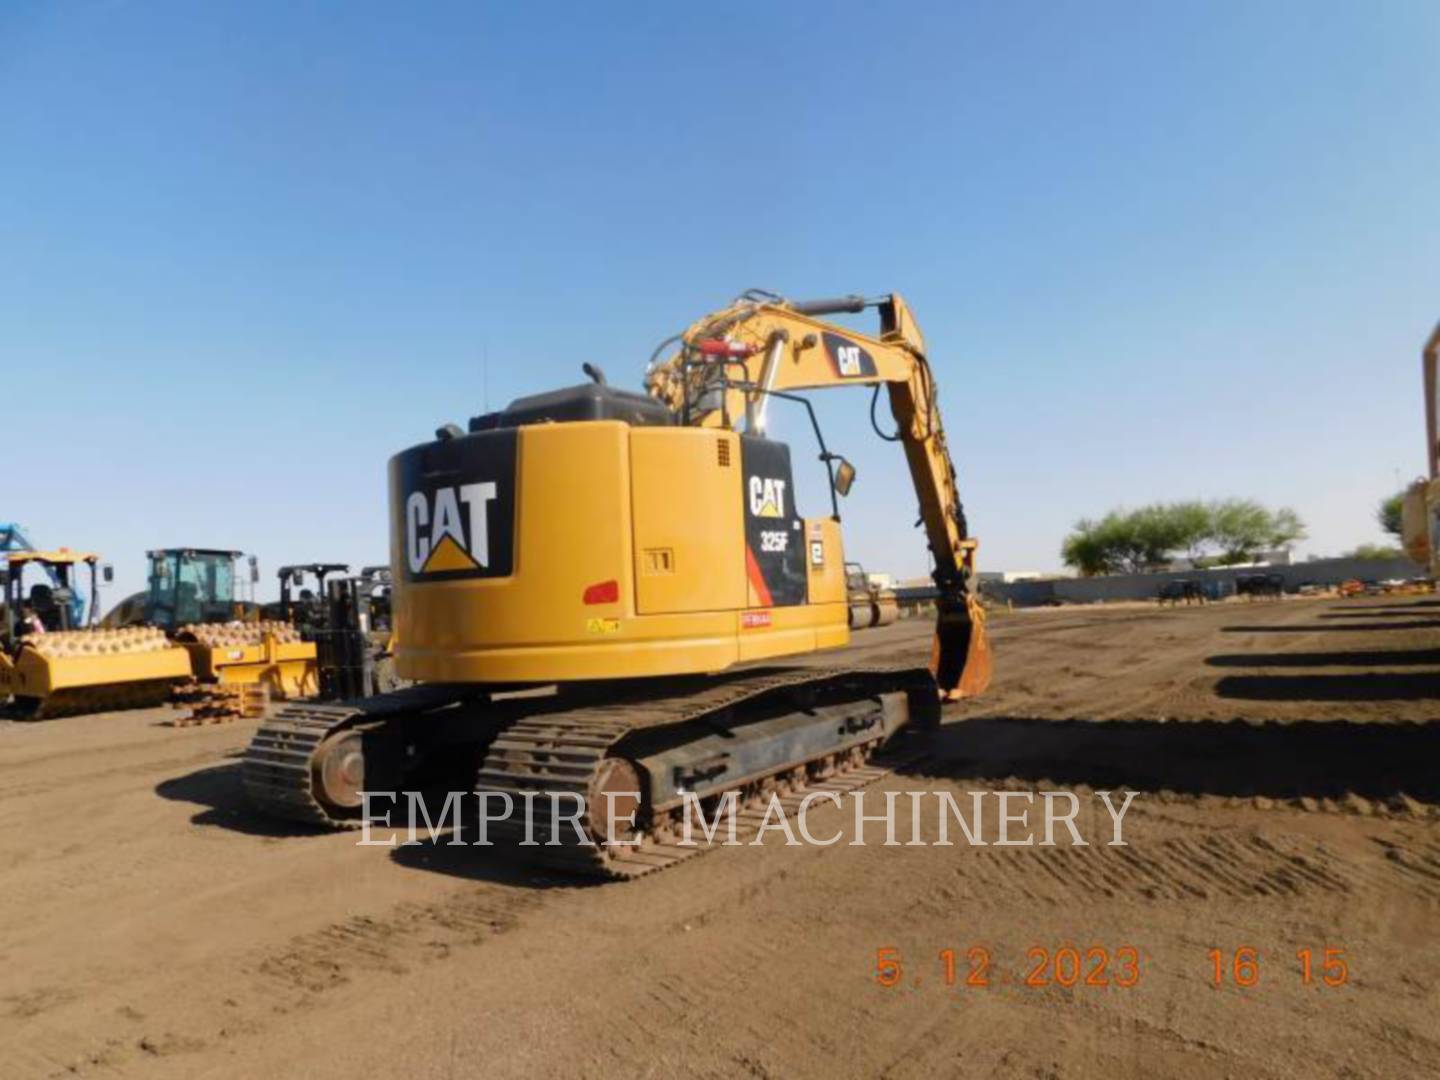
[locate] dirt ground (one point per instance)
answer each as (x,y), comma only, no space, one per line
(1285,756)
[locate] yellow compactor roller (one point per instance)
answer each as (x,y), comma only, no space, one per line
(643,557)
(56,668)
(188,627)
(195,595)
(871,605)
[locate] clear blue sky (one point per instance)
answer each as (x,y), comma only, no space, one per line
(247,251)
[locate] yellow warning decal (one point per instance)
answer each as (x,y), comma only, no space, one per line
(447,555)
(602,626)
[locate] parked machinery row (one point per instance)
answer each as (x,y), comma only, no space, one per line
(190,625)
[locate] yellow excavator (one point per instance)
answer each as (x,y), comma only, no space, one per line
(636,562)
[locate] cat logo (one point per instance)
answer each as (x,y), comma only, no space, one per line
(767,497)
(851,361)
(440,537)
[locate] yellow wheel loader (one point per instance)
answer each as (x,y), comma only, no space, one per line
(636,564)
(51,667)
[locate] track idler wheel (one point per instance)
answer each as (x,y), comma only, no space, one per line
(338,772)
(614,801)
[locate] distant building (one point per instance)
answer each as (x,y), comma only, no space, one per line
(1009,577)
(1280,557)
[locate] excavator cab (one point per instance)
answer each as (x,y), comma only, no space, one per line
(594,533)
(586,534)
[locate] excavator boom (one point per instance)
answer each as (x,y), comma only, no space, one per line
(729,364)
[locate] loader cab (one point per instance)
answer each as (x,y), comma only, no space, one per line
(196,585)
(62,587)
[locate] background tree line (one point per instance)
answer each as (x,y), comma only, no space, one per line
(1390,516)
(1219,533)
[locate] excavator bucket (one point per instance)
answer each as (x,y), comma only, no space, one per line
(961,660)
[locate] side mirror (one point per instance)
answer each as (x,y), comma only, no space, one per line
(844,477)
(297,578)
(254,570)
(107,574)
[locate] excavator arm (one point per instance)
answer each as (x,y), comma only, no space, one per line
(726,368)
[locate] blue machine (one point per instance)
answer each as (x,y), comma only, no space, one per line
(13,538)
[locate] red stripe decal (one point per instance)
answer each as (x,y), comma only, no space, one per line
(757,579)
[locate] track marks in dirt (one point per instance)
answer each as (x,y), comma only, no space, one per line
(34,1002)
(269,983)
(407,936)
(1199,867)
(1417,861)
(66,782)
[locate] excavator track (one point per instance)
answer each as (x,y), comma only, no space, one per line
(539,750)
(652,854)
(278,767)
(565,754)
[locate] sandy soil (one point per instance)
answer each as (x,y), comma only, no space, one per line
(1286,760)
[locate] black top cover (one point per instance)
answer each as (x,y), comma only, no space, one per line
(588,401)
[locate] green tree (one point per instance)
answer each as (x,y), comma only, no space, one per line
(1084,549)
(1193,525)
(1122,541)
(1286,529)
(1242,529)
(1121,533)
(1138,540)
(1388,514)
(1376,551)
